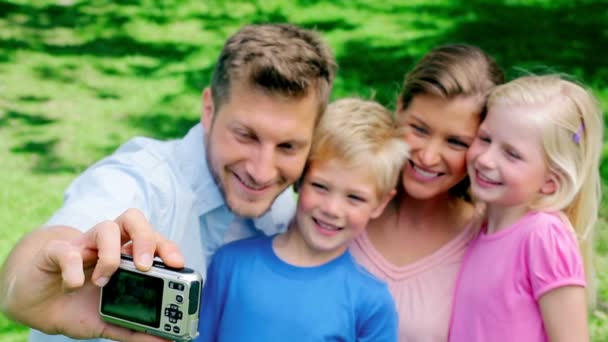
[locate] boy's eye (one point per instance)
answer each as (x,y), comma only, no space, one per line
(357,198)
(287,147)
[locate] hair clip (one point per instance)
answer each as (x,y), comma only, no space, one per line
(579,133)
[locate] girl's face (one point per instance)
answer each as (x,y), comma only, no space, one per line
(506,161)
(439,132)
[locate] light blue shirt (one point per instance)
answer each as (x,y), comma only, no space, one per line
(170,182)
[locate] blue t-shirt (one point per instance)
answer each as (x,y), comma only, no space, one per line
(252,295)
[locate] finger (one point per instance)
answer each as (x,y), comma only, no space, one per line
(64,257)
(127,249)
(136,228)
(106,238)
(169,252)
(117,333)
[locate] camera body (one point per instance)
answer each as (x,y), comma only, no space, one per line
(163,301)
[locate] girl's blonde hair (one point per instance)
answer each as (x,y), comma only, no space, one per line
(571,124)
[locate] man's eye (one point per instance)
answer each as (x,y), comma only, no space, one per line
(244,135)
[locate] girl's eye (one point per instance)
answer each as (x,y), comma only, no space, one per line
(318,186)
(485,139)
(513,154)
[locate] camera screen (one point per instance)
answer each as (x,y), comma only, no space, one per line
(133,297)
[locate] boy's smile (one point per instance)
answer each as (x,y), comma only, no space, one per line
(335,204)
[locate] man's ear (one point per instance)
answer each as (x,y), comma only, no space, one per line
(550,186)
(208,110)
(387,198)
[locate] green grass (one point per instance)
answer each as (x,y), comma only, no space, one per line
(78,78)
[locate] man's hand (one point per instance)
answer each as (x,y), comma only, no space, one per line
(51,280)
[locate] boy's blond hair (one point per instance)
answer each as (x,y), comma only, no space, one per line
(279,59)
(571,124)
(361,133)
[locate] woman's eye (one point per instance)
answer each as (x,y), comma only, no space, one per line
(458,143)
(417,128)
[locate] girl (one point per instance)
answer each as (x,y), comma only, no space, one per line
(535,164)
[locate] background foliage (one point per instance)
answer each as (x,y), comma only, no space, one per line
(78,78)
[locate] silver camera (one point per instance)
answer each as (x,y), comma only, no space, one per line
(163,301)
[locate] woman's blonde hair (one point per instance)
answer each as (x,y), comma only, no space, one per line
(571,124)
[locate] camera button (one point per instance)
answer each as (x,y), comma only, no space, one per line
(167,327)
(179,298)
(176,329)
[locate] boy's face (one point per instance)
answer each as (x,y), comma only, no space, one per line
(257,145)
(334,205)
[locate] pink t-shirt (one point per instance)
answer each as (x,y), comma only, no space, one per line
(422,290)
(504,274)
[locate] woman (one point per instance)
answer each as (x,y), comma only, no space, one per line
(417,244)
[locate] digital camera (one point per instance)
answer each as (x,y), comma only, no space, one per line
(162,301)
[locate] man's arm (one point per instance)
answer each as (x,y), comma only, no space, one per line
(55,270)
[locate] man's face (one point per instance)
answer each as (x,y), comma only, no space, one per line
(257,145)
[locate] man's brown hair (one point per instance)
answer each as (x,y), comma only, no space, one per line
(279,59)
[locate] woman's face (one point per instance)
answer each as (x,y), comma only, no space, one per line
(439,132)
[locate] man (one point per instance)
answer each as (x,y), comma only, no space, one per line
(225,180)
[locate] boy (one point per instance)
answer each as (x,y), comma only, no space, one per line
(303,285)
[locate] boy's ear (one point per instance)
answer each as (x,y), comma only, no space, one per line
(208,110)
(387,198)
(550,186)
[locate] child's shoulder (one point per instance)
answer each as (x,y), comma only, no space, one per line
(242,246)
(364,277)
(548,222)
(550,228)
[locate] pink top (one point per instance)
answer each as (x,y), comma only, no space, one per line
(504,274)
(422,290)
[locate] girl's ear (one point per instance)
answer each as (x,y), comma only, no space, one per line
(550,186)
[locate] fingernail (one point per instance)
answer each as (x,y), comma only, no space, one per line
(102,281)
(145,260)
